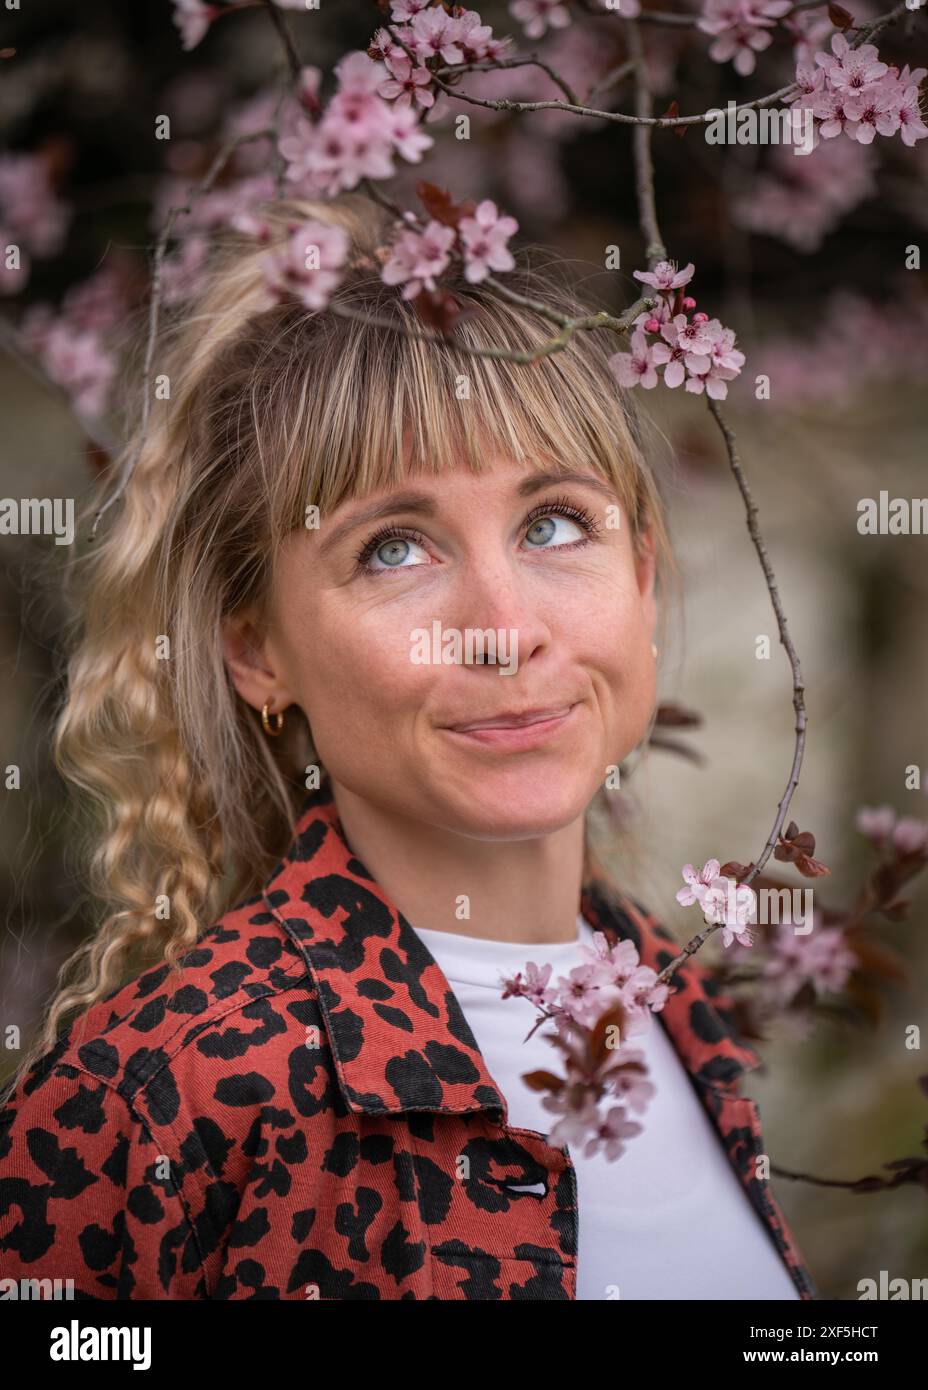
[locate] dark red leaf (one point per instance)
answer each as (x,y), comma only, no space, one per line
(439,204)
(839,16)
(543,1081)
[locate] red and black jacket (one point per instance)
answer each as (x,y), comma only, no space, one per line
(304,1113)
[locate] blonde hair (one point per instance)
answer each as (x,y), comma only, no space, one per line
(273,409)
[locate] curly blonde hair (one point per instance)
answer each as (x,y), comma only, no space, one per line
(272,408)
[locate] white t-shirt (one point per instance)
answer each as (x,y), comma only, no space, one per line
(668,1219)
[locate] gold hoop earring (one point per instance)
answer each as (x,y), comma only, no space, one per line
(275,729)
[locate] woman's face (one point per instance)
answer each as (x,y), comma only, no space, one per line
(373,631)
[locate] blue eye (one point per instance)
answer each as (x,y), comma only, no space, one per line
(546,529)
(392,546)
(546,523)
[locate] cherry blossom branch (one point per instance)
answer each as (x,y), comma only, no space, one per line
(154,309)
(641,149)
(569,326)
(785,639)
(529,61)
(876,26)
(655,250)
(670,17)
(505,104)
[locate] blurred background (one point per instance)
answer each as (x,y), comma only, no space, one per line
(805,257)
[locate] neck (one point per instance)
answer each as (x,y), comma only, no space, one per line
(501,890)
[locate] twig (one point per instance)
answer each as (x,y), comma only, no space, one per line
(785,638)
(656,251)
(504,104)
(551,345)
(532,61)
(641,148)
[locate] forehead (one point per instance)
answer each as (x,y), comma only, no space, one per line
(498,475)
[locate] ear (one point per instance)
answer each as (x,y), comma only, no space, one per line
(646,573)
(252,666)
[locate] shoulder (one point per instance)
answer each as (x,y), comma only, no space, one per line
(135,1121)
(212,1003)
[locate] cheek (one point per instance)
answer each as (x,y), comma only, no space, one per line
(354,677)
(614,643)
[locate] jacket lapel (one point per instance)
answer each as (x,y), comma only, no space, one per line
(399,1038)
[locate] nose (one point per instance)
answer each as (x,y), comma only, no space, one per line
(492,593)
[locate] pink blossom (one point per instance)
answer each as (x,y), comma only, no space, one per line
(820,958)
(435,34)
(802,200)
(730,904)
(610,1135)
(861,96)
(694,337)
(725,363)
(405,10)
(855,345)
(406,134)
(910,836)
(534,987)
(635,368)
(740,27)
(851,69)
(911,125)
(476,38)
(810,81)
(537,16)
(610,974)
(30,213)
(876,822)
(193,18)
(811,30)
(357,137)
(309,264)
(407,84)
(72,356)
(627,1082)
(665,275)
(829,107)
(417,257)
(697,883)
(484,237)
(873,110)
(670,357)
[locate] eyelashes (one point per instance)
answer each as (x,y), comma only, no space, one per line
(558,506)
(562,506)
(379,538)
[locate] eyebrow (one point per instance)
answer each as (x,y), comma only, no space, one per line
(423,504)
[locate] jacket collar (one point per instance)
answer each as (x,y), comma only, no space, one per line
(398,1036)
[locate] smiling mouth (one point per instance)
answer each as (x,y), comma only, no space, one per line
(512,721)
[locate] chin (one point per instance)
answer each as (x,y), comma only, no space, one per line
(516,804)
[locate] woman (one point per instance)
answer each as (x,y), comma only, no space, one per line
(314,1089)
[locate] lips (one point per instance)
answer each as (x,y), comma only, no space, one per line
(512,721)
